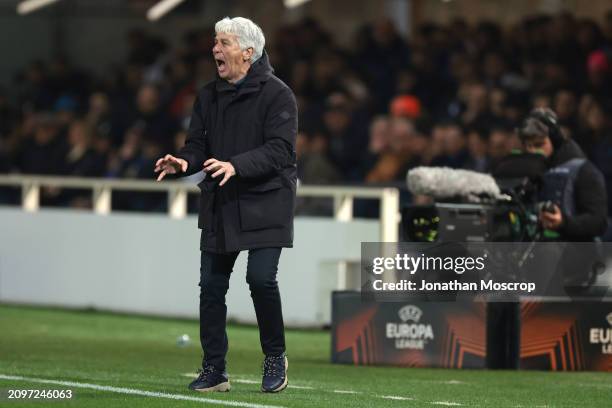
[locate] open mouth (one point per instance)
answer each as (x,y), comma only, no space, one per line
(221,66)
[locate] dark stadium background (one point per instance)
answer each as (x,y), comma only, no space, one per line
(97,91)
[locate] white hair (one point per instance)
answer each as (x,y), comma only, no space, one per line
(248,33)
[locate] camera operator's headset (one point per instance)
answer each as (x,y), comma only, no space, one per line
(554,130)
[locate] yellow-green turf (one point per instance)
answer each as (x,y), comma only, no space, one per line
(141,353)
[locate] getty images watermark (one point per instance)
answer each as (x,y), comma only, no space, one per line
(428,264)
(489,271)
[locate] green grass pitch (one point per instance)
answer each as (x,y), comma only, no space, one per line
(141,353)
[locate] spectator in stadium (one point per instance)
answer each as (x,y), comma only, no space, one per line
(126,162)
(477,144)
(344,129)
(314,166)
(407,106)
(596,136)
(243,135)
(475,96)
(158,126)
(566,107)
(379,136)
(500,143)
(599,75)
(452,145)
(379,143)
(40,152)
(98,117)
(395,155)
(79,157)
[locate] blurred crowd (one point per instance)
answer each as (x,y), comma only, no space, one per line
(452,96)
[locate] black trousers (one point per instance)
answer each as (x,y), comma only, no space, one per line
(215,271)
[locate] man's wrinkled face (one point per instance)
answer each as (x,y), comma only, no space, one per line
(232,62)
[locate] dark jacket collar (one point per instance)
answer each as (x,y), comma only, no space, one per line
(567,151)
(258,73)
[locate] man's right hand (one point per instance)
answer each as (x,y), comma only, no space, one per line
(170,165)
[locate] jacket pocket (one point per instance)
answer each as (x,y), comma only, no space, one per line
(207,199)
(264,205)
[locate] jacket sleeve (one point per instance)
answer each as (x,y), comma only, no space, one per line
(194,150)
(591,206)
(280,132)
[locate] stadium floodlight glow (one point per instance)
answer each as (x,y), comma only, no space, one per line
(28,6)
(294,3)
(162,8)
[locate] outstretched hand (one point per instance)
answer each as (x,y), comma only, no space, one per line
(170,165)
(219,167)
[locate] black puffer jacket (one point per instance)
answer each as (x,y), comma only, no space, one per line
(254,126)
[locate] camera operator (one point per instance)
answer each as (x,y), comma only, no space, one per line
(573,187)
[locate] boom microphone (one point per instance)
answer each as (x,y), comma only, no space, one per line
(444,182)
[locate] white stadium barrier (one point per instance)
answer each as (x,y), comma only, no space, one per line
(149,263)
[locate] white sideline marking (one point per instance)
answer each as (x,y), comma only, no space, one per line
(454,382)
(132,391)
(301,387)
(595,385)
(448,403)
(396,397)
(242,381)
(345,392)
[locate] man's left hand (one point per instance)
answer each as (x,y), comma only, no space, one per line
(219,167)
(552,220)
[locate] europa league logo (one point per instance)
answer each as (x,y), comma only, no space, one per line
(410,312)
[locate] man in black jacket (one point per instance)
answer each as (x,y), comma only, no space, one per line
(242,135)
(573,184)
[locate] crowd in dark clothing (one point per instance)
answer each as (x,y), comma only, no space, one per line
(451,95)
